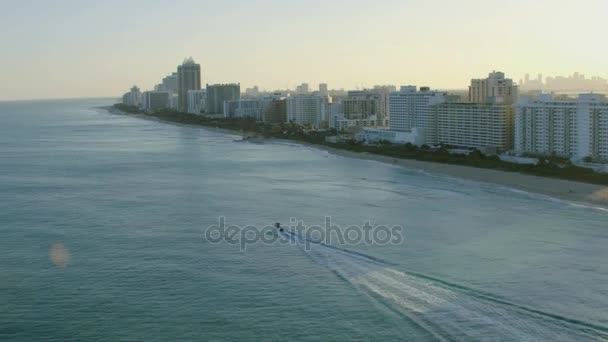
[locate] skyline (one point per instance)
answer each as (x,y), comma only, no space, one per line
(76,49)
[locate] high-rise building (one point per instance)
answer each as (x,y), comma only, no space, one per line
(323,91)
(196,101)
(493,89)
(217,94)
(169,83)
(307,109)
(302,89)
(189,78)
(156,100)
(361,104)
(410,108)
(384,91)
(472,125)
(574,128)
(277,111)
(133,97)
(173,101)
(252,92)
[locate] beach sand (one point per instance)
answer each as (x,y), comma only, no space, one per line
(553,187)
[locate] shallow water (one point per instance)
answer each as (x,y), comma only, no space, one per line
(102,219)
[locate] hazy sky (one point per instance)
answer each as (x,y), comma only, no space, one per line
(57,49)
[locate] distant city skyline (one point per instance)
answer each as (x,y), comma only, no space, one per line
(573,82)
(68,49)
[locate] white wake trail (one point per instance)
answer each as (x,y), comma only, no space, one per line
(448,312)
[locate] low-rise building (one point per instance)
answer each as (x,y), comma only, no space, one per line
(369,135)
(340,123)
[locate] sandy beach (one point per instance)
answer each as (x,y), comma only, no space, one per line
(558,188)
(553,187)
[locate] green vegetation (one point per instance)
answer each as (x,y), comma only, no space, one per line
(547,167)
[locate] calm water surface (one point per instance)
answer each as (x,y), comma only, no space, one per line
(101,238)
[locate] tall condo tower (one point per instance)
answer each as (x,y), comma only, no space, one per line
(189,78)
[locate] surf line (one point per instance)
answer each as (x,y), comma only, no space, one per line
(380,265)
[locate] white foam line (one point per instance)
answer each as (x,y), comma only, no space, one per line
(443,312)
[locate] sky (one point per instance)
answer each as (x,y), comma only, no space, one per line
(82,48)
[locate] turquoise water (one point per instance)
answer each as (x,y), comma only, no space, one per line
(101,238)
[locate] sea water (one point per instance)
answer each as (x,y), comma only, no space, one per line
(102,237)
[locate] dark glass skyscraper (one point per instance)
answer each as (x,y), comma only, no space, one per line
(189,78)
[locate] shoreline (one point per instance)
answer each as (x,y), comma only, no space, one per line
(116,111)
(557,188)
(553,187)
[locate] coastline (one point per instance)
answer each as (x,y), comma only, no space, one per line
(116,111)
(552,187)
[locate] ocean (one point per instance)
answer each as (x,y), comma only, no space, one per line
(103,236)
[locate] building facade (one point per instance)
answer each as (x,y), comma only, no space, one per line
(472,125)
(189,78)
(307,109)
(410,108)
(573,128)
(247,108)
(354,125)
(384,91)
(303,88)
(156,100)
(323,91)
(169,83)
(277,111)
(494,89)
(196,101)
(217,94)
(133,97)
(361,104)
(370,135)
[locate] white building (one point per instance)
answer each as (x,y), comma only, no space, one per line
(133,97)
(473,125)
(369,135)
(410,108)
(343,124)
(307,109)
(174,101)
(574,128)
(334,111)
(494,89)
(252,108)
(196,101)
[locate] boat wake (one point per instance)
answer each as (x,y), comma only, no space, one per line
(447,311)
